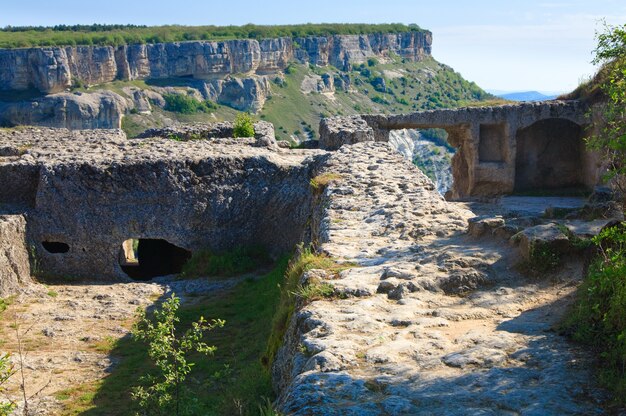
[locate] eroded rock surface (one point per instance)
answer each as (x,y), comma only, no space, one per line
(430,320)
(97,110)
(14,261)
(92,190)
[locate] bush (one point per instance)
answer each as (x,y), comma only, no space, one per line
(163,394)
(380,100)
(243,126)
(598,317)
(372,62)
(185,104)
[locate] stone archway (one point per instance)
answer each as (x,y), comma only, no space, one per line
(549,155)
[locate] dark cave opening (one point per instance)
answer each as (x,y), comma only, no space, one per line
(143,259)
(55,247)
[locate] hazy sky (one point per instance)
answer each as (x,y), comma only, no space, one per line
(523,45)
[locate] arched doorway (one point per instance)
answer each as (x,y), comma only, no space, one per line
(549,156)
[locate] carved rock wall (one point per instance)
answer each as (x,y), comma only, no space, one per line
(14,261)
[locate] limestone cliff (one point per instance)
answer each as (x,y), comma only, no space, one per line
(99,110)
(431,158)
(53,69)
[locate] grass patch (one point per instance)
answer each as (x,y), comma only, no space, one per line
(4,304)
(232,382)
(320,182)
(226,264)
(598,317)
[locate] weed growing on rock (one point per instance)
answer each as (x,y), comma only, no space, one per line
(542,260)
(163,393)
(598,317)
(320,182)
(314,291)
(291,290)
(243,125)
(6,371)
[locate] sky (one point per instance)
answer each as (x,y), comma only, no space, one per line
(543,45)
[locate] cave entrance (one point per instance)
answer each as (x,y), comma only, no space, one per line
(144,258)
(549,156)
(429,150)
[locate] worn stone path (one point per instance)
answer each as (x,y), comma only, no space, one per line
(432,321)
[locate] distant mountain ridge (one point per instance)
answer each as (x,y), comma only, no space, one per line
(524,96)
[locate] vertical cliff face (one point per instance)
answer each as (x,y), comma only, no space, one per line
(57,68)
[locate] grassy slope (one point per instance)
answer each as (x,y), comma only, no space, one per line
(232,382)
(420,86)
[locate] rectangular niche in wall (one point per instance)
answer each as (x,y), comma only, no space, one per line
(491,143)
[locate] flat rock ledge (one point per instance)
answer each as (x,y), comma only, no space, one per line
(431,321)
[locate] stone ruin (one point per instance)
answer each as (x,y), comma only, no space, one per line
(500,150)
(79,196)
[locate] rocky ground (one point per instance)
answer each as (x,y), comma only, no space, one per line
(432,321)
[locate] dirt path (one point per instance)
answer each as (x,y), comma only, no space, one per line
(67,332)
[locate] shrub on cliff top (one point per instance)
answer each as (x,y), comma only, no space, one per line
(243,126)
(115,35)
(611,140)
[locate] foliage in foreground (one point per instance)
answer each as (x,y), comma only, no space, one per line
(226,264)
(243,125)
(231,382)
(598,318)
(166,393)
(611,140)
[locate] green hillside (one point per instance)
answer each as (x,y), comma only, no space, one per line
(115,35)
(393,87)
